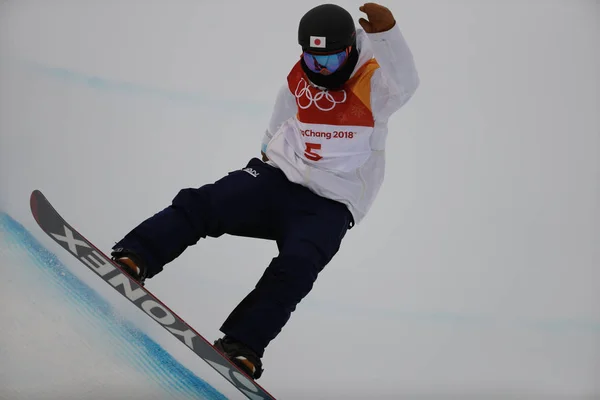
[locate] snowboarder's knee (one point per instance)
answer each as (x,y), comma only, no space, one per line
(290,276)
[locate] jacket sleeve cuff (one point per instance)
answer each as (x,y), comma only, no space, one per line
(265,142)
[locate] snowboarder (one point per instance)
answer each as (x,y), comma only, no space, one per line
(322,165)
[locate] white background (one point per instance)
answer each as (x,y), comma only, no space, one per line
(476,273)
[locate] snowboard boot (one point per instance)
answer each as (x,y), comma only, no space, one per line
(242,356)
(130,263)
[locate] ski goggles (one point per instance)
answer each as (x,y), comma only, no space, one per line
(326,63)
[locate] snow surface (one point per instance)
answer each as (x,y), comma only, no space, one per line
(64,341)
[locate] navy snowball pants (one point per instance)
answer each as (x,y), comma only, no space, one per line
(257,201)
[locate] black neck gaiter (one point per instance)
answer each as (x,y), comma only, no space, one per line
(338,78)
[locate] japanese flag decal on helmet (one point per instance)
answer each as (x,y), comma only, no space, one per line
(327,27)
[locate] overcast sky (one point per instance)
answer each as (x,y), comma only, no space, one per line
(475,272)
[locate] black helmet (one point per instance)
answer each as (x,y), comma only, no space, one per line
(326,28)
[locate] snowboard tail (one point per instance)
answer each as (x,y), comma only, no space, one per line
(71,240)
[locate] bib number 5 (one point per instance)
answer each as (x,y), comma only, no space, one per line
(311,151)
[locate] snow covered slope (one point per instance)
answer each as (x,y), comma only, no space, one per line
(63,340)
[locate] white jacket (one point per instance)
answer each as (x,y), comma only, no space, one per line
(349,169)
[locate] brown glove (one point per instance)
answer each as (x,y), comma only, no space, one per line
(380,18)
(264,156)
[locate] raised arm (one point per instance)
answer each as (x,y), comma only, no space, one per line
(397,79)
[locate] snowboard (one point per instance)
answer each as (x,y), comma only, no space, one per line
(89,255)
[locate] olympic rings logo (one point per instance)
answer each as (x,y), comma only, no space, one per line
(322,99)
